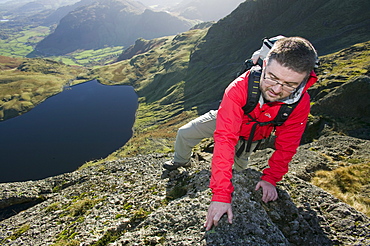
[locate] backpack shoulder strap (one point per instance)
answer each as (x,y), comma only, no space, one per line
(284,112)
(254,92)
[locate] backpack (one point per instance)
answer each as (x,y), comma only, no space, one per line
(259,55)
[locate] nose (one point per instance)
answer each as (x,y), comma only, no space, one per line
(277,88)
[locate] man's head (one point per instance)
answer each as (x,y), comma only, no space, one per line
(286,67)
(295,53)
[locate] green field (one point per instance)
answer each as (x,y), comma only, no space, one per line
(21,43)
(90,58)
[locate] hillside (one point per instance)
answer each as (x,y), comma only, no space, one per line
(211,63)
(160,4)
(330,27)
(128,199)
(108,23)
(58,14)
(205,10)
(24,83)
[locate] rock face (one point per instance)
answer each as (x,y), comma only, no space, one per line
(132,201)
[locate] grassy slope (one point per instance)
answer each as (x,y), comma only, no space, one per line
(157,76)
(19,43)
(24,83)
(345,64)
(350,184)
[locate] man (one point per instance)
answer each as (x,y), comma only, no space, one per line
(286,75)
(204,126)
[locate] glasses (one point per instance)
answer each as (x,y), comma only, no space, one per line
(285,86)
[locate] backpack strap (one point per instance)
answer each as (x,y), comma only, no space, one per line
(284,112)
(252,101)
(254,91)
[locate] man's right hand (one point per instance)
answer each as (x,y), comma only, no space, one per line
(215,212)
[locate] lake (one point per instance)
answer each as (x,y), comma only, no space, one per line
(84,122)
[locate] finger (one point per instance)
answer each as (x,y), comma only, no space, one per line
(265,196)
(209,220)
(216,219)
(209,223)
(212,220)
(230,216)
(258,186)
(276,196)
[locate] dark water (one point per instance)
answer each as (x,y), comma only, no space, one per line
(88,121)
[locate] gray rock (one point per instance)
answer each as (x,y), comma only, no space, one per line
(132,201)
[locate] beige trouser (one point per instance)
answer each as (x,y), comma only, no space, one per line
(202,127)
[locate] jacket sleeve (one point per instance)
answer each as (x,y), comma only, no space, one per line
(228,124)
(288,137)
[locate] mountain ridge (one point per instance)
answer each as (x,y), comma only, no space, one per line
(108,23)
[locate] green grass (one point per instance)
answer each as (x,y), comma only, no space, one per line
(80,207)
(158,77)
(67,242)
(24,83)
(20,44)
(17,233)
(90,58)
(345,64)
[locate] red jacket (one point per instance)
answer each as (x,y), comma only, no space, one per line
(232,123)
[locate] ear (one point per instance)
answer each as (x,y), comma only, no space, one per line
(264,64)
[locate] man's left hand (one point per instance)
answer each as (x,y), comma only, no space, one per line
(269,191)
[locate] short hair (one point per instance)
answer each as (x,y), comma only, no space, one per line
(295,53)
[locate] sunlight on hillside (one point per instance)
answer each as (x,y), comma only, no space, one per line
(90,58)
(349,184)
(345,64)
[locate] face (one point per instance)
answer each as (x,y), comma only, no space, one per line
(278,82)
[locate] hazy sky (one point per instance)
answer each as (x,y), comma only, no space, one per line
(161,3)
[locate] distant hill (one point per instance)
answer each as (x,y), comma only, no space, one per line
(22,13)
(205,10)
(109,23)
(160,4)
(29,7)
(58,14)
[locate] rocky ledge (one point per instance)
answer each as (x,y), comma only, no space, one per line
(133,201)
